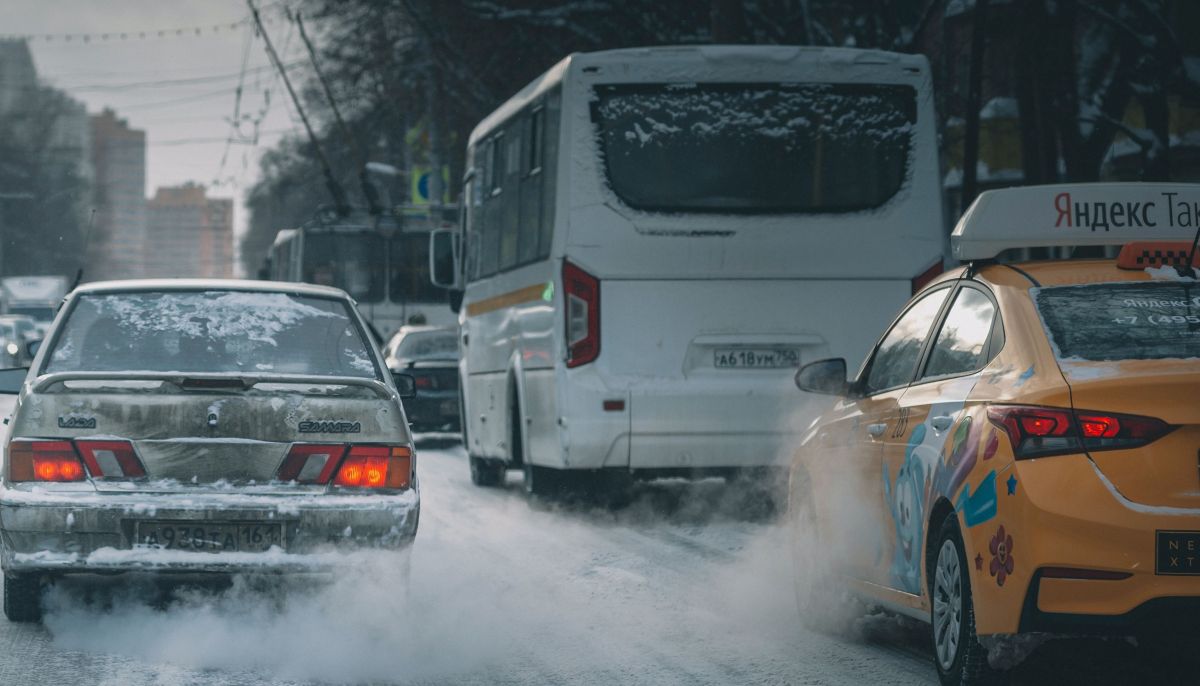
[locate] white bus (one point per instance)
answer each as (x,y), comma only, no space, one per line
(383,264)
(654,239)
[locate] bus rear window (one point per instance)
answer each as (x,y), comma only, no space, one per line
(755,148)
(1122,321)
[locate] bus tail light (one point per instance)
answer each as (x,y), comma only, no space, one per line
(581,292)
(43,461)
(924,278)
(1045,431)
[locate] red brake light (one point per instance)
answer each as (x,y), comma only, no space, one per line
(376,466)
(1098,426)
(43,461)
(924,278)
(311,463)
(1044,431)
(111,459)
(581,295)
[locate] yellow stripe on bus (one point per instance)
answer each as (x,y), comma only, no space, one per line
(499,302)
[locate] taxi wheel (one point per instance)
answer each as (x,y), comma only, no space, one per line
(958,655)
(485,472)
(23,597)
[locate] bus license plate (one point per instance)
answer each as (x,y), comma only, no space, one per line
(209,537)
(758,358)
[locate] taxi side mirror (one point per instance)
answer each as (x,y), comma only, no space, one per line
(406,385)
(827,377)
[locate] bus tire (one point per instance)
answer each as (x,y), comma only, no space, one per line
(485,472)
(23,597)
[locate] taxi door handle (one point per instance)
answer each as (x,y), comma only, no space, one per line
(876,430)
(941,422)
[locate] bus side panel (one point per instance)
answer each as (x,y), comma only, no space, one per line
(510,316)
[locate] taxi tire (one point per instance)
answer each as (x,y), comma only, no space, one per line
(23,597)
(970,665)
(485,472)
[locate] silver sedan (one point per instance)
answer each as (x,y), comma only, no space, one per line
(202,426)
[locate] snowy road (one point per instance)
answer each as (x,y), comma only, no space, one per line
(683,587)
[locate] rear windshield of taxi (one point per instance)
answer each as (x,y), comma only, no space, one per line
(214,331)
(1122,321)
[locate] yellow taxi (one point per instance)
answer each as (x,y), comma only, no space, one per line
(1019,454)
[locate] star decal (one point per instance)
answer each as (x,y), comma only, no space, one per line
(979,562)
(1012,484)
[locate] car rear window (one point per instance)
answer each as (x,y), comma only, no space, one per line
(211,331)
(432,345)
(1122,321)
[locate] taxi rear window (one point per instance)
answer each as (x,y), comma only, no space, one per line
(1122,321)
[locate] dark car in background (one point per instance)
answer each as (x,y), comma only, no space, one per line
(430,355)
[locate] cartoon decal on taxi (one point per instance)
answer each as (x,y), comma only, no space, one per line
(906,498)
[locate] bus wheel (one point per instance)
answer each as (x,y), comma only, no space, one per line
(485,472)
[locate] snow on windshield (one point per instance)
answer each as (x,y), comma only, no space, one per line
(211,331)
(755,147)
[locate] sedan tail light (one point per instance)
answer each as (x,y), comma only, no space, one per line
(111,459)
(376,466)
(311,463)
(43,461)
(1045,431)
(581,292)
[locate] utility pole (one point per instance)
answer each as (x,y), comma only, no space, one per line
(368,190)
(339,196)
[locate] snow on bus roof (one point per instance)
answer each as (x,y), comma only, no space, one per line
(1074,215)
(794,55)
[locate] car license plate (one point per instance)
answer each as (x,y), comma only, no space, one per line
(757,358)
(210,537)
(1177,553)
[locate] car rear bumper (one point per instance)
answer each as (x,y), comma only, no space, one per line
(96,534)
(1063,515)
(680,424)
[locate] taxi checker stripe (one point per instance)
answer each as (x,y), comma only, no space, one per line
(521,295)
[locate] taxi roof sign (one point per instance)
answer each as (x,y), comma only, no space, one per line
(1076,214)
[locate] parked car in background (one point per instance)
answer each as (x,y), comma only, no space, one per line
(202,427)
(430,355)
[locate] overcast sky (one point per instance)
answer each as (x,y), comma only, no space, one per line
(179,88)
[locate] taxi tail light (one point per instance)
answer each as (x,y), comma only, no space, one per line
(111,459)
(376,466)
(924,278)
(1045,431)
(43,461)
(581,293)
(311,463)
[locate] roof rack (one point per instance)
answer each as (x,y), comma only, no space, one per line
(1075,215)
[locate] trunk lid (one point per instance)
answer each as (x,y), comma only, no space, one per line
(1165,472)
(187,439)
